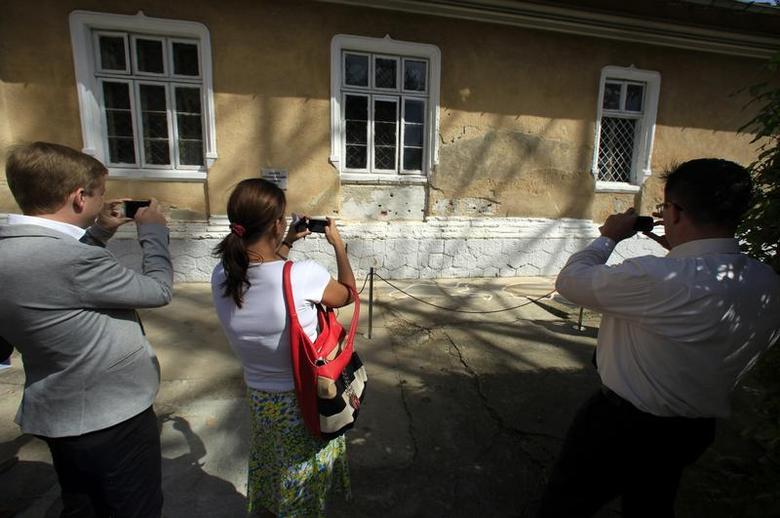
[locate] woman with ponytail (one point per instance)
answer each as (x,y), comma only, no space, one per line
(290,471)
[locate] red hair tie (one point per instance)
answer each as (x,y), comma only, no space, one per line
(237,229)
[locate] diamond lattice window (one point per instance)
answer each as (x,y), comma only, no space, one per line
(616,149)
(384,100)
(622,105)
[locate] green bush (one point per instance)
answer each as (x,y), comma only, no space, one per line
(760,231)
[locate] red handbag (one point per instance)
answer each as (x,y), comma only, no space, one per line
(330,379)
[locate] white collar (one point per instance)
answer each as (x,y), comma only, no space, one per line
(699,247)
(60,226)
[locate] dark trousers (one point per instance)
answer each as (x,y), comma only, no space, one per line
(115,472)
(614,449)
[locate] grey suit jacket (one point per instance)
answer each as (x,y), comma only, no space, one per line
(69,308)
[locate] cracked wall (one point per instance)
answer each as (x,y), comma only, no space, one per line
(517,109)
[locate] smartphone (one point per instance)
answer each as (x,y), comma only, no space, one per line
(317,225)
(132,206)
(644,224)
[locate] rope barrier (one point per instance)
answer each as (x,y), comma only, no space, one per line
(364,284)
(530,301)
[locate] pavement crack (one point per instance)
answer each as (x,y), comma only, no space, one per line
(525,436)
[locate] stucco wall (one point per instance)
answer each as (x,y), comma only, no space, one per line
(517,107)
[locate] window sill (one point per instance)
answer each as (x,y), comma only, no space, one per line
(382,179)
(616,187)
(156,175)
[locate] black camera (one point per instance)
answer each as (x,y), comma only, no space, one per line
(132,206)
(644,224)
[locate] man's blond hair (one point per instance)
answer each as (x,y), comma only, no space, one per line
(41,175)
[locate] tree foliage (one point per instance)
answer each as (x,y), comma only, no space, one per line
(760,231)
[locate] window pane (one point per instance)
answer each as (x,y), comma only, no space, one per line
(356,108)
(119,123)
(412,159)
(385,131)
(191,152)
(356,122)
(357,157)
(413,135)
(385,111)
(154,119)
(356,70)
(634,95)
(116,95)
(149,56)
(356,132)
(121,150)
(156,152)
(384,134)
(616,149)
(190,125)
(153,98)
(112,53)
(611,96)
(188,100)
(385,73)
(185,59)
(415,74)
(414,111)
(384,157)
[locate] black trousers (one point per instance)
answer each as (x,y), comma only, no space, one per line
(115,472)
(614,449)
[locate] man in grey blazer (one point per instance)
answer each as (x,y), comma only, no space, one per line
(68,307)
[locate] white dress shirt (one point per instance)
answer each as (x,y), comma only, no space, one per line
(678,332)
(65,228)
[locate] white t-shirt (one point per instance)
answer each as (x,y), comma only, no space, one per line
(258,331)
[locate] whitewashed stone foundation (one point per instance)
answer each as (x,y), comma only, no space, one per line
(437,248)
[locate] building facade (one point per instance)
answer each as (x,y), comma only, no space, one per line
(449,139)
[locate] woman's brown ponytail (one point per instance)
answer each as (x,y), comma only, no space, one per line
(253,208)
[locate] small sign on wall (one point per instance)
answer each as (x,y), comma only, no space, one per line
(277,176)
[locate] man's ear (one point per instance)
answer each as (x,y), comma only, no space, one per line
(676,213)
(77,200)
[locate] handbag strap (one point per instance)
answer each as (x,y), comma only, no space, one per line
(288,297)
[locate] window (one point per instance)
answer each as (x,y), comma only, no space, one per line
(145,94)
(384,114)
(625,124)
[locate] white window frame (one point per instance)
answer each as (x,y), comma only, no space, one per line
(96,47)
(392,48)
(83,26)
(645,132)
(163,47)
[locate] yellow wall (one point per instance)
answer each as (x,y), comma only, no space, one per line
(517,105)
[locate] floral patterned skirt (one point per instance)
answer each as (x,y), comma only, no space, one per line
(290,471)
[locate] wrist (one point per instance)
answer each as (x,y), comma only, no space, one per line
(287,243)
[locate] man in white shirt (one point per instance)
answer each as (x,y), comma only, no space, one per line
(677,334)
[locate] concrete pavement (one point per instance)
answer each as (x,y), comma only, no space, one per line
(464,413)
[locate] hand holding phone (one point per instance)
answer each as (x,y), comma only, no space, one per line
(644,224)
(310,224)
(132,206)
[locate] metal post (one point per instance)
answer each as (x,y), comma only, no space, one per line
(579,324)
(370,301)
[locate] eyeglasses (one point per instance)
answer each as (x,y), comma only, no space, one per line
(661,206)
